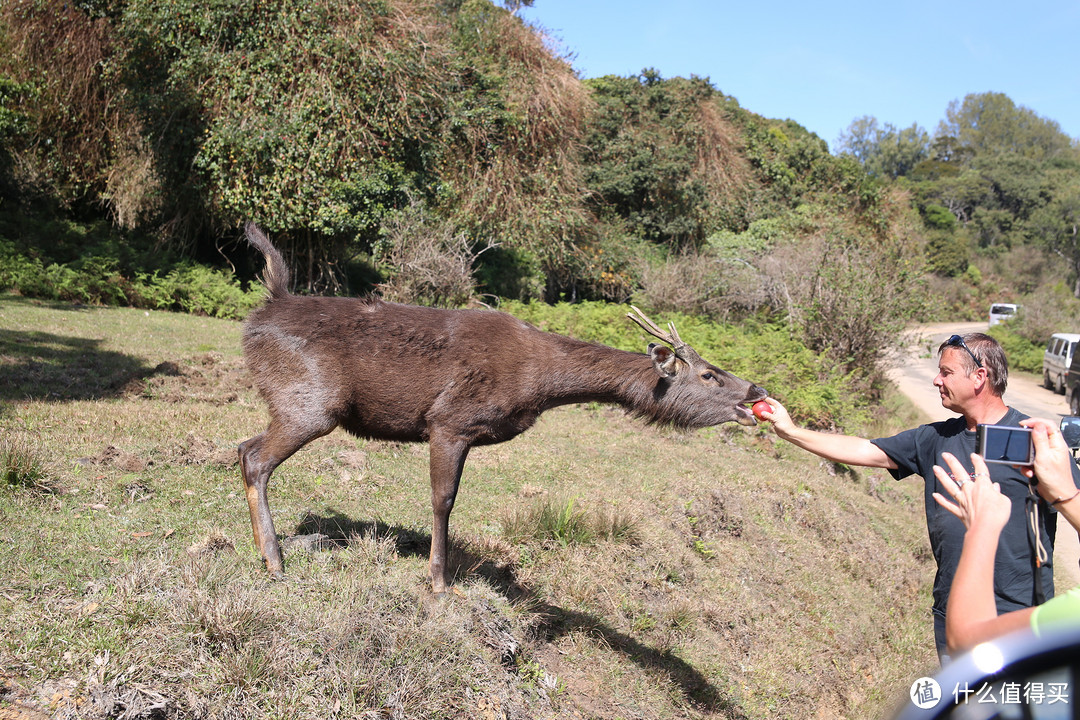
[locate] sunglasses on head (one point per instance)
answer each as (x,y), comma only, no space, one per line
(957,341)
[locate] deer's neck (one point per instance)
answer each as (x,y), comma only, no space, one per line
(582,372)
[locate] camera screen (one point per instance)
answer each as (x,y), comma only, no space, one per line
(1005,445)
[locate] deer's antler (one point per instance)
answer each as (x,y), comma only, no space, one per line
(671,337)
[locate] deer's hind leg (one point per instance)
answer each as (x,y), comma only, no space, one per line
(259,456)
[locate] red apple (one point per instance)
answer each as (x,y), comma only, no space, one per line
(761,407)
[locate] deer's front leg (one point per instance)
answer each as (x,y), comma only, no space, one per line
(447,461)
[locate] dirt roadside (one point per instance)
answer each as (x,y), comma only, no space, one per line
(913,373)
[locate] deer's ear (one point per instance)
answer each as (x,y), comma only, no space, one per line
(663,360)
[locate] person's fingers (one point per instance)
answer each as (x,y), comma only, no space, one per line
(951,483)
(979,464)
(951,507)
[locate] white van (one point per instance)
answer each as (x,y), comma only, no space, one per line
(1000,312)
(1056,360)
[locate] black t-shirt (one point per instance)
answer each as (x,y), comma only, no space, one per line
(916,452)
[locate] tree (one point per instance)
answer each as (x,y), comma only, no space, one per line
(1058,226)
(662,156)
(882,149)
(991,123)
(899,151)
(860,140)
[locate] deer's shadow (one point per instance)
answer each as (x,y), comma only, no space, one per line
(340,530)
(56,367)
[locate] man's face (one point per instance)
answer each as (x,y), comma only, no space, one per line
(954,382)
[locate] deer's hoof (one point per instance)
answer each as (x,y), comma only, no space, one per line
(276,571)
(448,593)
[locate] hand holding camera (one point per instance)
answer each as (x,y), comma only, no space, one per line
(1038,449)
(1051,468)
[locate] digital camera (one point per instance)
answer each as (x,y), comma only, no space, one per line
(1004,444)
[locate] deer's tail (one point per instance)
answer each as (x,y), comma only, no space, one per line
(276,274)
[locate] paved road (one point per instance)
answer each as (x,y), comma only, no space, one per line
(914,375)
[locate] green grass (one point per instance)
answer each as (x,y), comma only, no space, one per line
(719,574)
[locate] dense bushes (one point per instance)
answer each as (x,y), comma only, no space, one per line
(96,281)
(316,121)
(321,122)
(1051,309)
(1023,354)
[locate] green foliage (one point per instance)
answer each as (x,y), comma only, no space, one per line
(988,124)
(96,280)
(939,218)
(795,164)
(847,287)
(947,251)
(12,120)
(997,193)
(199,290)
(946,254)
(645,143)
(314,120)
(760,236)
(883,150)
(284,120)
(1023,354)
(1047,310)
(322,122)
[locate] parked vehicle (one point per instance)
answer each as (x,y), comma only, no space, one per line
(1000,312)
(1057,359)
(1072,385)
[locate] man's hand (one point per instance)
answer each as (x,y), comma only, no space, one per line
(1053,460)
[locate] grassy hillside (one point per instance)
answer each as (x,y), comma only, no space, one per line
(606,569)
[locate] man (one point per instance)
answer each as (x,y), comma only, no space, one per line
(972,617)
(972,376)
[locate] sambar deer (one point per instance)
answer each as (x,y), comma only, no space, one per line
(452,378)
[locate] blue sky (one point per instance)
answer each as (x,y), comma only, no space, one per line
(826,64)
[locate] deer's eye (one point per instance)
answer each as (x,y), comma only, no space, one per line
(707,376)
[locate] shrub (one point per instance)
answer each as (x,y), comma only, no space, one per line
(98,281)
(947,253)
(710,282)
(1023,355)
(1048,310)
(427,262)
(199,290)
(21,467)
(848,290)
(567,523)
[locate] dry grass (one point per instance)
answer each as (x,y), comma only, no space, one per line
(428,262)
(758,583)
